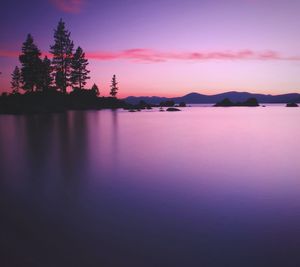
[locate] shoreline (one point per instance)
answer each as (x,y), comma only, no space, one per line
(56,102)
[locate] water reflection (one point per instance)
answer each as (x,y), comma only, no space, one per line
(205,187)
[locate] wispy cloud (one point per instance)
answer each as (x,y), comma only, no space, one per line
(150,55)
(68,6)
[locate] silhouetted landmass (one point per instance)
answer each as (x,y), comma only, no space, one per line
(195,98)
(251,102)
(292,105)
(55,101)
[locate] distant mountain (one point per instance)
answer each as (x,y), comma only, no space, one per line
(196,98)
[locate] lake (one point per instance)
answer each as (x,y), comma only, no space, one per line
(204,187)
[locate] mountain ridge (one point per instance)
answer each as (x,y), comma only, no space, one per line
(198,98)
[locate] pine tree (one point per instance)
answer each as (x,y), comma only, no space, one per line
(95,89)
(113,87)
(31,62)
(46,78)
(79,73)
(16,80)
(62,51)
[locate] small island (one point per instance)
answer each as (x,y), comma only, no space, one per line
(251,102)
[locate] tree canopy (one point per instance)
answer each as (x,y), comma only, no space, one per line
(62,52)
(62,70)
(79,73)
(16,81)
(31,63)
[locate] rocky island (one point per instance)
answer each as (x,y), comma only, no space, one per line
(251,102)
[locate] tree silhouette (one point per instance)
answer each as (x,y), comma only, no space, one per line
(79,73)
(113,87)
(31,62)
(46,78)
(62,51)
(16,80)
(95,89)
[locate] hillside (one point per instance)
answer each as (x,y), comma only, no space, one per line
(196,98)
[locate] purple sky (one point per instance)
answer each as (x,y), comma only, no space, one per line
(167,47)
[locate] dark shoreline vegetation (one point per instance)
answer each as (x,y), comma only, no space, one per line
(55,101)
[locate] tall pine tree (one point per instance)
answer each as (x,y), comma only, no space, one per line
(31,62)
(46,78)
(79,73)
(113,87)
(62,51)
(16,80)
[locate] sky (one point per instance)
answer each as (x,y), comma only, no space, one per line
(166,47)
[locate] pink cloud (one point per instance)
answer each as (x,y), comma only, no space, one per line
(150,55)
(68,6)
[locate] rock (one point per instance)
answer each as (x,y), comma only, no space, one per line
(173,109)
(292,105)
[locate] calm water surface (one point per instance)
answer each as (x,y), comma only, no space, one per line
(203,187)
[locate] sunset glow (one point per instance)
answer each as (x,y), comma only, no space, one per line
(149,133)
(168,48)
